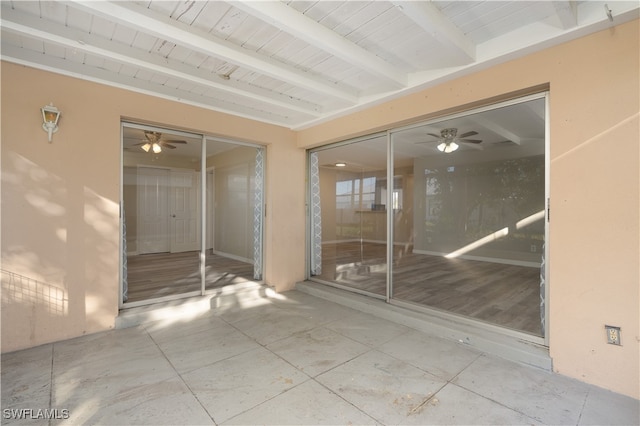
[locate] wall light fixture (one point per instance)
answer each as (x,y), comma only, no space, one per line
(50,117)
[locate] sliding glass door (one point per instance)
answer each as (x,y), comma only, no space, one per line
(473,240)
(348,215)
(192,214)
(465,201)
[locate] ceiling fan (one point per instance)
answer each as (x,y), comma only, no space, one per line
(154,143)
(449,139)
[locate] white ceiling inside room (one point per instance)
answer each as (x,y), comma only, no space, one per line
(290,63)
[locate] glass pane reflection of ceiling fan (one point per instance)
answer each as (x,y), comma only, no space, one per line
(448,139)
(153,142)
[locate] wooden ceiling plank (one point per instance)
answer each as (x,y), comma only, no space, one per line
(567,13)
(71,38)
(290,20)
(495,128)
(130,82)
(427,16)
(179,33)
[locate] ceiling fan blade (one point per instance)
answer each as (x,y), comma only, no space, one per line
(172,141)
(434,135)
(470,140)
(166,145)
(466,135)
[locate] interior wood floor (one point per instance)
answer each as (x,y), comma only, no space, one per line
(150,276)
(506,295)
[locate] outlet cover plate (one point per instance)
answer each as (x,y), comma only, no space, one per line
(613,334)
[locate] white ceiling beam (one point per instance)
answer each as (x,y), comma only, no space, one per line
(496,128)
(49,31)
(149,22)
(567,13)
(34,59)
(304,28)
(430,19)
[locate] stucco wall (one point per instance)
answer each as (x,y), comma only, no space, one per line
(60,201)
(594,228)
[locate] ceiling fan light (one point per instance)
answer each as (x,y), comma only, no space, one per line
(157,148)
(448,148)
(146,147)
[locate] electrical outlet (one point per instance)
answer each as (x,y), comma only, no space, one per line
(613,335)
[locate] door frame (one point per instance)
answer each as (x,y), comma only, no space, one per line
(389,258)
(202,191)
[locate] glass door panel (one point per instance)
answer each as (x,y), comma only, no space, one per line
(161,202)
(469,225)
(192,215)
(348,215)
(234,194)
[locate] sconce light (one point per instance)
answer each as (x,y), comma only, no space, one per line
(50,117)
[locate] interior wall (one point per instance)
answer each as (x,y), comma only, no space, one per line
(130,205)
(234,173)
(60,242)
(453,216)
(403,219)
(594,185)
(130,159)
(328,203)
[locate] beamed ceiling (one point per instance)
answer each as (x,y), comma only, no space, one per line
(290,63)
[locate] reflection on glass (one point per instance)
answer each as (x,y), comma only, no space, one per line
(162,216)
(231,214)
(349,215)
(163,207)
(470,236)
(474,209)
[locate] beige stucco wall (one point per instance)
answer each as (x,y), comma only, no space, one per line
(594,229)
(60,201)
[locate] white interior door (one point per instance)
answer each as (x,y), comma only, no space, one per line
(184,202)
(153,223)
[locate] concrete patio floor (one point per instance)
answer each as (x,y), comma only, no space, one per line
(292,359)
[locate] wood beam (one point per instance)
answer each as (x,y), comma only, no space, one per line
(149,22)
(49,31)
(567,13)
(429,18)
(84,72)
(304,28)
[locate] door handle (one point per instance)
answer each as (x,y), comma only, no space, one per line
(173,215)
